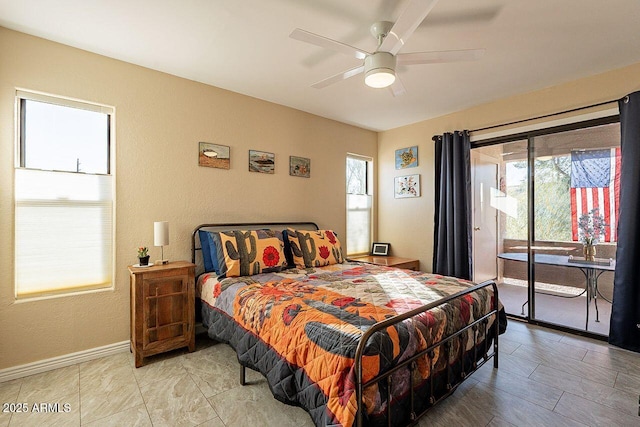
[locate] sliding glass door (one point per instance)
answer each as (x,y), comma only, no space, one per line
(554,198)
(575,203)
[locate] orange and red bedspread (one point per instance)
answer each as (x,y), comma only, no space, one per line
(300,328)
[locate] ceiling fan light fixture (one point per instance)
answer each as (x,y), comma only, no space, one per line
(380,70)
(380,78)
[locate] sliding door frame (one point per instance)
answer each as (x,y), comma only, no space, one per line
(529,136)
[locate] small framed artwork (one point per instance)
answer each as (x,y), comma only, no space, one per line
(299,166)
(406,186)
(261,161)
(380,249)
(214,156)
(407,157)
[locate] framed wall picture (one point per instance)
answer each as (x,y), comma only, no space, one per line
(407,157)
(261,161)
(380,249)
(406,186)
(299,166)
(214,155)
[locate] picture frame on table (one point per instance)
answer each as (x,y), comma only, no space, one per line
(380,249)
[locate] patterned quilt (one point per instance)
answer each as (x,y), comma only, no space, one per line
(300,328)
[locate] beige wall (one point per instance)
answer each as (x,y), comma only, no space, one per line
(408,223)
(159,121)
(161,118)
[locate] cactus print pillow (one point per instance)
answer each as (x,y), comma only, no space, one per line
(314,248)
(244,253)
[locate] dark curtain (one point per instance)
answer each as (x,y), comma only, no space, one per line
(452,234)
(625,313)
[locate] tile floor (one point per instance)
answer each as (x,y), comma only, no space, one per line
(546,378)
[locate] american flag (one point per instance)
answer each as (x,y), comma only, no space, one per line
(595,183)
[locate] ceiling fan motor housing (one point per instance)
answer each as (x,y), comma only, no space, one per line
(379,30)
(379,69)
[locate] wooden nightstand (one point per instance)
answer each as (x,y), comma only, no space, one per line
(390,261)
(162,308)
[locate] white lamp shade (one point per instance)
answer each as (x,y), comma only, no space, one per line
(161,233)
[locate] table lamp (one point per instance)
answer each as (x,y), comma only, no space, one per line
(161,238)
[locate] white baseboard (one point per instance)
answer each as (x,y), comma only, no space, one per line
(20,371)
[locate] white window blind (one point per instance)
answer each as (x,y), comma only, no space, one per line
(358,223)
(359,205)
(63,231)
(63,215)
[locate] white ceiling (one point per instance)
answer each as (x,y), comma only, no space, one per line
(243,46)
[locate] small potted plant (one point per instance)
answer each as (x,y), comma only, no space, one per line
(143,255)
(591,230)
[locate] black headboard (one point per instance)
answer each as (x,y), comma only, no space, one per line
(195,239)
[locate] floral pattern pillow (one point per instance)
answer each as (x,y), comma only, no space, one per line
(251,252)
(314,248)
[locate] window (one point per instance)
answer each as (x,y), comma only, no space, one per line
(64,200)
(359,205)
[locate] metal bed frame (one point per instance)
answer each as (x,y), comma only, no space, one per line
(452,380)
(451,384)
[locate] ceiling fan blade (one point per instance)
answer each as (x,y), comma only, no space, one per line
(439,57)
(397,88)
(407,22)
(482,15)
(338,77)
(315,39)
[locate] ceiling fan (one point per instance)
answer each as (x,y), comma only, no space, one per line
(379,67)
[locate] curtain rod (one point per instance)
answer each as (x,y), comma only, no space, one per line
(546,116)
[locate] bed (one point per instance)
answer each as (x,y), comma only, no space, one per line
(351,343)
